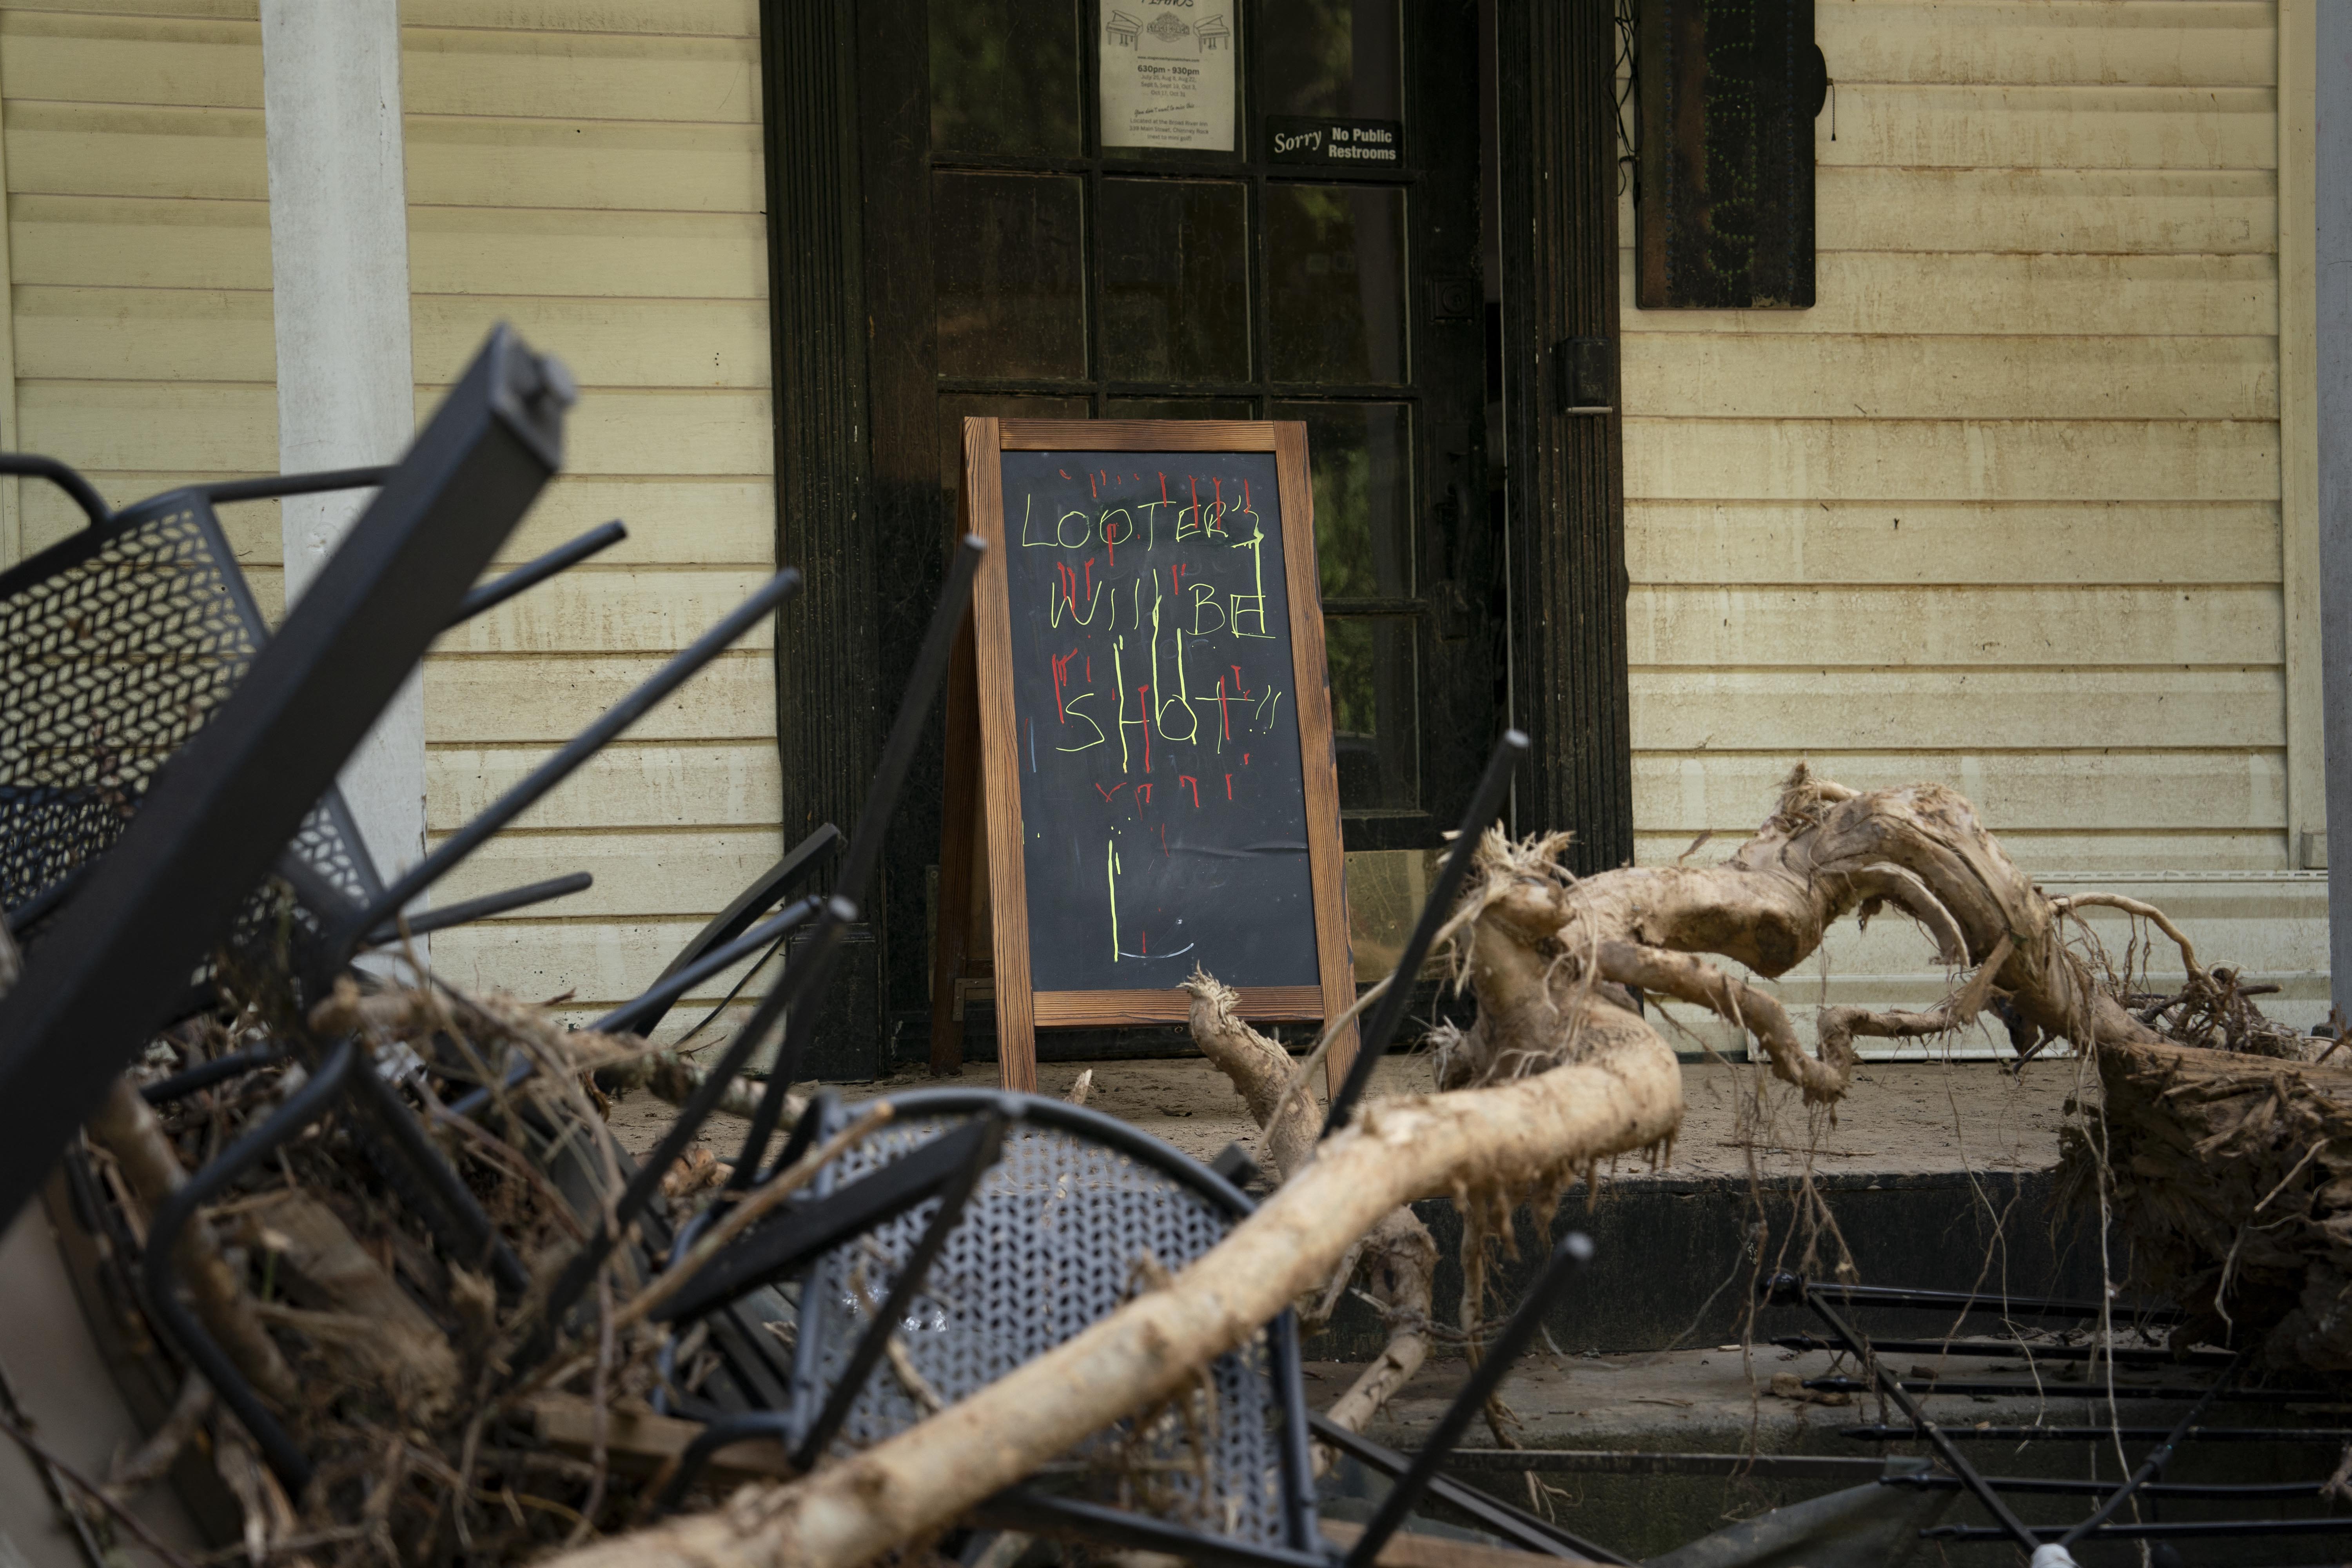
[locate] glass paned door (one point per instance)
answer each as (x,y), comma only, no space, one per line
(1302,245)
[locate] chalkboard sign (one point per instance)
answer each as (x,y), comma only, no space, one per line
(1153,774)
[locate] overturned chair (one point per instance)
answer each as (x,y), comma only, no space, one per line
(162,753)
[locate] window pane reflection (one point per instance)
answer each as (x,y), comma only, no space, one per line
(1005,77)
(1386,888)
(955,408)
(1175,269)
(1335,266)
(1009,273)
(1178,408)
(1360,457)
(1372,718)
(1331,56)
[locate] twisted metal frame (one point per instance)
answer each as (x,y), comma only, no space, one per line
(1825,1301)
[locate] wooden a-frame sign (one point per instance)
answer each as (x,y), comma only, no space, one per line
(1140,772)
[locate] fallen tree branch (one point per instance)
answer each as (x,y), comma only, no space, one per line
(141,1467)
(1563,1072)
(126,1127)
(2147,912)
(1399,1257)
(1516,1135)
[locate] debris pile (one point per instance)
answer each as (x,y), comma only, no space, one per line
(448,1416)
(439,1419)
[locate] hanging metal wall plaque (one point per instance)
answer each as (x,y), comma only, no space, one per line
(1729,89)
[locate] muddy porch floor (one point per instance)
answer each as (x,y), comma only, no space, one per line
(1900,1119)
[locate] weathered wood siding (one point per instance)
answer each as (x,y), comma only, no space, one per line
(589,170)
(2003,507)
(592,172)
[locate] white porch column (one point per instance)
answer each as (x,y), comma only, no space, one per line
(2333,282)
(339,267)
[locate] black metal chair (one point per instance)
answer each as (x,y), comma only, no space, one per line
(146,608)
(2191,1380)
(984,1228)
(119,644)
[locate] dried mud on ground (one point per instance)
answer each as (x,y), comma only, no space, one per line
(1899,1117)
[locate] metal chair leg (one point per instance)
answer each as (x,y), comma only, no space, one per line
(1786,1287)
(451,1211)
(643,1187)
(1486,803)
(903,1290)
(720,1434)
(532,573)
(1574,1250)
(873,822)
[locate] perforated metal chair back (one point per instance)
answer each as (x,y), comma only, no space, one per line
(116,645)
(1080,1213)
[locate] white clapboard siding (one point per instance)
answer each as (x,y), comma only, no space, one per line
(2001,510)
(475,701)
(638,18)
(88,241)
(1882,376)
(184,334)
(634,784)
(603,256)
(2116,43)
(692,874)
(1862,458)
(1914,294)
(1955,544)
(1801,709)
(590,171)
(1716,627)
(1908,124)
(2106,211)
(198,427)
(138,251)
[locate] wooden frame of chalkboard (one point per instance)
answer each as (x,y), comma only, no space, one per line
(983,832)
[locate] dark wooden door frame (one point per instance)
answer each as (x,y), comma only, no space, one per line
(1557,118)
(841,196)
(830,707)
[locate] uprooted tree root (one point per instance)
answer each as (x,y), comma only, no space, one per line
(2233,1178)
(1561,1071)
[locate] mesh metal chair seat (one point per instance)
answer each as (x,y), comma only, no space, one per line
(981,1229)
(1079,1214)
(1009,1224)
(117,645)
